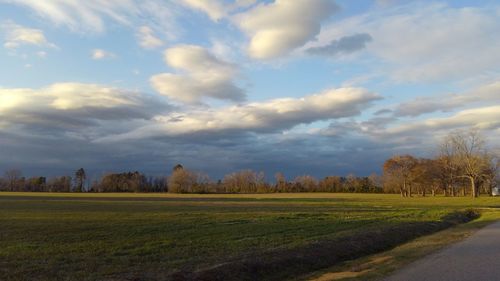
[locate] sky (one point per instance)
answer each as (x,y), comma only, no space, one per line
(317,87)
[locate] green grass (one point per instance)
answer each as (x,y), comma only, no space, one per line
(150,236)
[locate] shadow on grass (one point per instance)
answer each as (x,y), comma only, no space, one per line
(285,264)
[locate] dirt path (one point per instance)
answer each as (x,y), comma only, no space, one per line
(476,258)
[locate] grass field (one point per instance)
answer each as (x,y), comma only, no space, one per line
(151,236)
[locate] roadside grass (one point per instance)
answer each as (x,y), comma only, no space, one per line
(380,265)
(155,236)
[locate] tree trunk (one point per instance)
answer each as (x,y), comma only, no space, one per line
(404,188)
(473,187)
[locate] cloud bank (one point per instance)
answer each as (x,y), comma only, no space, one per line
(271,116)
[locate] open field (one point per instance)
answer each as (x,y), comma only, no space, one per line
(152,236)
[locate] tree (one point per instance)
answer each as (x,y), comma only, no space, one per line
(177,167)
(13,177)
(123,182)
(185,181)
(469,156)
(59,184)
(244,181)
(491,176)
(80,177)
(398,171)
(306,183)
(330,184)
(281,184)
(36,184)
(425,175)
(446,171)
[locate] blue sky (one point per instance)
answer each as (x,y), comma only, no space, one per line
(305,86)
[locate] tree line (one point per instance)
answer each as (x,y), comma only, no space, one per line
(182,180)
(463,166)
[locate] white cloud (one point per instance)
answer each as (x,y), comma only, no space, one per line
(482,117)
(217,9)
(16,35)
(270,116)
(67,104)
(99,54)
(203,76)
(78,15)
(422,42)
(278,28)
(486,94)
(93,16)
(147,38)
(214,8)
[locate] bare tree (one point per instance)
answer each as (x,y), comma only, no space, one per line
(281,184)
(180,181)
(13,176)
(80,178)
(306,183)
(469,157)
(185,181)
(398,171)
(244,181)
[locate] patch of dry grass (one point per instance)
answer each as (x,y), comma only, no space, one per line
(377,266)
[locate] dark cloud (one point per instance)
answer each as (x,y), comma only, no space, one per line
(263,117)
(293,154)
(344,45)
(383,111)
(61,132)
(64,107)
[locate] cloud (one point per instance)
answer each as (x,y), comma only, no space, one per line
(260,117)
(217,9)
(419,42)
(17,36)
(277,28)
(93,16)
(69,106)
(78,15)
(99,54)
(213,8)
(41,54)
(202,76)
(485,94)
(147,38)
(422,105)
(486,118)
(344,45)
(383,111)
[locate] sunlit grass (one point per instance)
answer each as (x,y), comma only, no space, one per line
(96,236)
